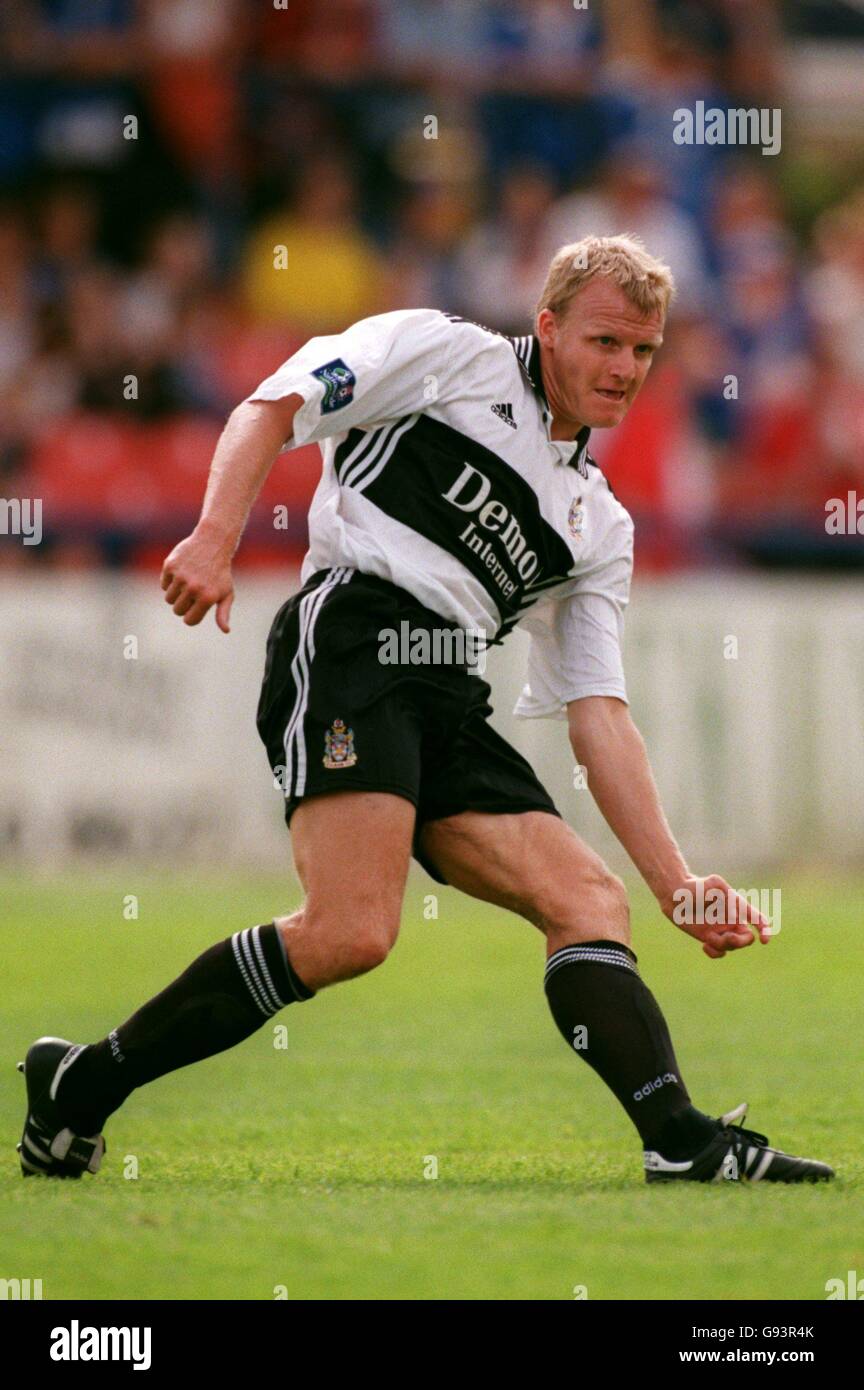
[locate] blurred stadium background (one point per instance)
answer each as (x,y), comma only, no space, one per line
(155,153)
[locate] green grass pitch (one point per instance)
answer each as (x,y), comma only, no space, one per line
(301,1171)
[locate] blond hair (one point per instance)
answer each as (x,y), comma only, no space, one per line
(647,282)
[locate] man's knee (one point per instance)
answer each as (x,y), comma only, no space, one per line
(606,890)
(368,948)
(336,943)
(591,904)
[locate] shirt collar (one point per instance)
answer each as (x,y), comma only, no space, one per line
(527,350)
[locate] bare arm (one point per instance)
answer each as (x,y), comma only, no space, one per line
(197,573)
(608,745)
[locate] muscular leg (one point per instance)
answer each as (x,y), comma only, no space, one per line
(352,851)
(535,865)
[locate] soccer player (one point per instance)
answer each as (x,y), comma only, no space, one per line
(457,496)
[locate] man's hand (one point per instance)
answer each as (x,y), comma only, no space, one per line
(196,575)
(713,913)
(607,742)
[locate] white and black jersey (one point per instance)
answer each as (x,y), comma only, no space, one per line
(440,476)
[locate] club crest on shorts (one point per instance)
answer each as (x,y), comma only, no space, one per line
(339,746)
(576,519)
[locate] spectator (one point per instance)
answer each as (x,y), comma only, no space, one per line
(422,262)
(836,284)
(309,264)
(503,263)
(630,198)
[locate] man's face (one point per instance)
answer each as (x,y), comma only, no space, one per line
(595,355)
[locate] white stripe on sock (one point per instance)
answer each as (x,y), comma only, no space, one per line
(238,955)
(263,973)
(593,955)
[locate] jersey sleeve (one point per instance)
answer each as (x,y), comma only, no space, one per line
(381,368)
(576,644)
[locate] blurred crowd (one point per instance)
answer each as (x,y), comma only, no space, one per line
(190,189)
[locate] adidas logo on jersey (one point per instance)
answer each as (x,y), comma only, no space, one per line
(505,413)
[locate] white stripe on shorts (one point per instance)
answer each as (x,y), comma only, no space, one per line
(310,606)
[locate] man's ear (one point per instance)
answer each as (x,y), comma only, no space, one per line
(547,327)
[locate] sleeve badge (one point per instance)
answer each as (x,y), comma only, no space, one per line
(339,382)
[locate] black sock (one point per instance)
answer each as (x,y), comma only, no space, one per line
(596,987)
(223,997)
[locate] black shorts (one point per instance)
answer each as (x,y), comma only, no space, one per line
(335,717)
